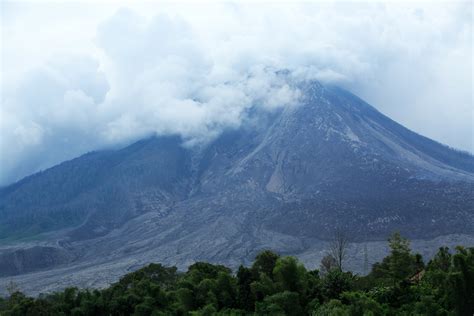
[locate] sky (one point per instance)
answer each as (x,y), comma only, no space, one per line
(87,75)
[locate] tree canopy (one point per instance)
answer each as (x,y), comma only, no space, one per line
(275,285)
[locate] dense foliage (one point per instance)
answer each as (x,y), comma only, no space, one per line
(399,285)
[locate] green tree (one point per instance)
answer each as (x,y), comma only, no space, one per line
(336,282)
(282,303)
(332,308)
(226,290)
(245,298)
(399,265)
(441,261)
(445,287)
(290,275)
(361,304)
(462,279)
(263,287)
(264,263)
(186,300)
(401,261)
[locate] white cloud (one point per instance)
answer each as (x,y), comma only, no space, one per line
(81,76)
(50,115)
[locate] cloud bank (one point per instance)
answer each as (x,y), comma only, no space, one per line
(122,73)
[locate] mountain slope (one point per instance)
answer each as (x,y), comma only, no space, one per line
(282,181)
(98,191)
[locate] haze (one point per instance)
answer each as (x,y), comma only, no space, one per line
(82,76)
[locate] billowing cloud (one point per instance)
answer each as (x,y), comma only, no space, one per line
(50,115)
(122,73)
(174,85)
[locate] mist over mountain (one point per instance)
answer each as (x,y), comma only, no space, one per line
(117,72)
(283,180)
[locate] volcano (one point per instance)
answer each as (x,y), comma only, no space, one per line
(285,180)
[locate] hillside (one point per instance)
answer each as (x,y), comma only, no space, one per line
(285,180)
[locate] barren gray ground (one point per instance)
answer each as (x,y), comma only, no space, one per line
(102,271)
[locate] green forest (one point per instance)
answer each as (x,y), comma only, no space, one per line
(402,284)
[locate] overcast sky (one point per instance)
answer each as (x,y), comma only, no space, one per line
(80,76)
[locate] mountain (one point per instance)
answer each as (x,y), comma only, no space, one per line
(285,180)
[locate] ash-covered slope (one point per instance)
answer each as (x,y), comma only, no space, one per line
(281,181)
(97,191)
(334,162)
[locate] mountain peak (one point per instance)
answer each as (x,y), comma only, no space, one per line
(284,179)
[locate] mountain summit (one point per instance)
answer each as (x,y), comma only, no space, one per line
(283,181)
